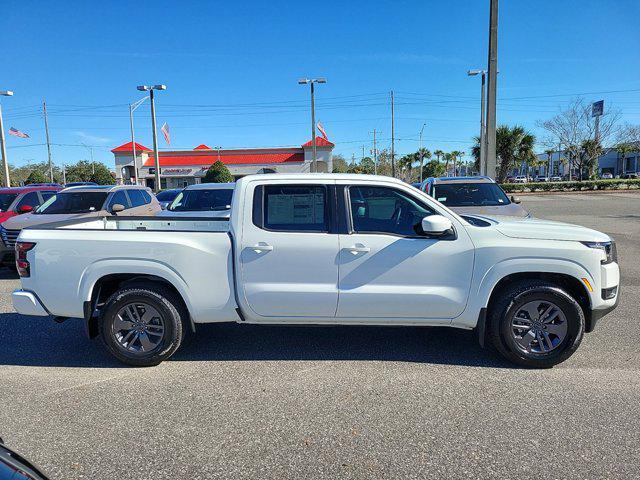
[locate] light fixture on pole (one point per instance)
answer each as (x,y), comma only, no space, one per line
(132,108)
(150,89)
(312,82)
(421,151)
(483,130)
(3,147)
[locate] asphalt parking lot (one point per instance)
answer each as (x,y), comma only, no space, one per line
(333,402)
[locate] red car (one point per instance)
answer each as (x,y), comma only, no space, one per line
(17,200)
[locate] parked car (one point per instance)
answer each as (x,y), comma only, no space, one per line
(541,178)
(165,197)
(17,201)
(555,178)
(14,466)
(322,249)
(78,202)
(202,200)
(474,195)
(520,179)
(606,176)
(629,175)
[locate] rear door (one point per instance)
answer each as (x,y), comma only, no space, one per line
(288,251)
(139,205)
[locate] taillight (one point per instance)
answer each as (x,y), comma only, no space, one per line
(22,264)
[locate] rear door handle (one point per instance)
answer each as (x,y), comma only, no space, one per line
(262,247)
(359,248)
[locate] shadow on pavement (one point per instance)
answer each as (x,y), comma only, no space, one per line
(38,341)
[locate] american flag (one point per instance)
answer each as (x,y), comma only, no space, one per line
(321,129)
(167,134)
(17,133)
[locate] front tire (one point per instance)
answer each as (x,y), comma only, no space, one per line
(143,325)
(536,324)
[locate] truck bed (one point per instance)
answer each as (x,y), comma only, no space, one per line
(193,254)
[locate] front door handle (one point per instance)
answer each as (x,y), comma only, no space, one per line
(262,247)
(358,248)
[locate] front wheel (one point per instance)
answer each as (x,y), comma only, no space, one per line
(143,325)
(536,324)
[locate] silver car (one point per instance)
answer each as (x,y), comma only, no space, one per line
(202,200)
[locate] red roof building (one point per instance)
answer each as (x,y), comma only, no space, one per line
(179,168)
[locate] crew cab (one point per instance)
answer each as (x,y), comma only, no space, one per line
(321,249)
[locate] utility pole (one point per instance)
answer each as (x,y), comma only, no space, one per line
(362,152)
(421,153)
(312,82)
(156,156)
(375,154)
(46,129)
(64,174)
(491,161)
(393,140)
(3,146)
(133,146)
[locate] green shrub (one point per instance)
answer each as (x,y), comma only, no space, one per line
(218,173)
(615,184)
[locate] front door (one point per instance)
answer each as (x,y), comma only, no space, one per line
(387,270)
(288,252)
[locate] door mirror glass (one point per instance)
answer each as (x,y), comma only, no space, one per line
(25,209)
(436,225)
(117,207)
(515,199)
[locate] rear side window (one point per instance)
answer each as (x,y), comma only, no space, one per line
(47,195)
(137,200)
(297,208)
(146,196)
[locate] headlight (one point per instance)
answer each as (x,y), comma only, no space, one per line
(609,248)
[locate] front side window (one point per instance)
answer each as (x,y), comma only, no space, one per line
(470,195)
(202,200)
(295,208)
(385,210)
(31,199)
(118,198)
(73,202)
(137,200)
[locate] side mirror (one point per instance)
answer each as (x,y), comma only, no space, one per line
(436,225)
(515,199)
(117,207)
(25,209)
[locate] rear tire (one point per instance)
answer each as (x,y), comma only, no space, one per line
(143,325)
(536,324)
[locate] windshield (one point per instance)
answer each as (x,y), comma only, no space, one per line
(73,202)
(202,200)
(470,194)
(6,199)
(167,195)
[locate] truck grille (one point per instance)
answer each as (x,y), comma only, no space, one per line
(9,237)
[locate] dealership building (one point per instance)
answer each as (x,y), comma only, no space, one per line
(179,168)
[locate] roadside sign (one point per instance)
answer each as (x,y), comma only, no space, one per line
(597,108)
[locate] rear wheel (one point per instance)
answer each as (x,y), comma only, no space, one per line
(143,325)
(536,324)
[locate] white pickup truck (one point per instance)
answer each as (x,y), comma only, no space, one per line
(322,249)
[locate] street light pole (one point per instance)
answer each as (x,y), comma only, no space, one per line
(491,160)
(132,108)
(421,153)
(483,130)
(312,82)
(156,156)
(3,146)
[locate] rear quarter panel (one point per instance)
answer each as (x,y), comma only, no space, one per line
(66,264)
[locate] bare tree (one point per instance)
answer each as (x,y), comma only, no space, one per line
(575,129)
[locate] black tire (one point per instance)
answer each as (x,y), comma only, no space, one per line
(171,310)
(508,304)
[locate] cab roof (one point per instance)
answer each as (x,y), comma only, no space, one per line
(211,186)
(103,188)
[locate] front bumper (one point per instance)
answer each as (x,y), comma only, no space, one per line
(27,303)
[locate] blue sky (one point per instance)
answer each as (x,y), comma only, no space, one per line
(231,70)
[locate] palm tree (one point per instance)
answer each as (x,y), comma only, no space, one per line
(623,150)
(514,145)
(454,156)
(549,153)
(475,153)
